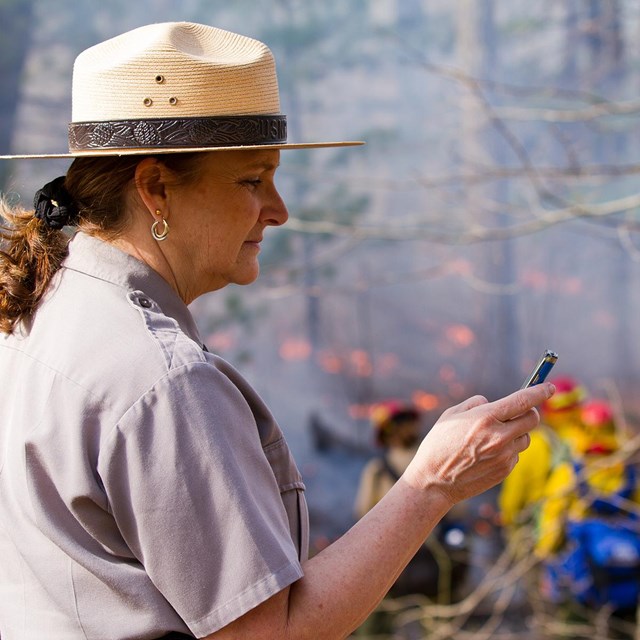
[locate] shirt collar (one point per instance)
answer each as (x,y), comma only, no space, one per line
(101,260)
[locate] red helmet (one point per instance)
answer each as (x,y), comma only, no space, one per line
(390,410)
(597,414)
(599,427)
(385,415)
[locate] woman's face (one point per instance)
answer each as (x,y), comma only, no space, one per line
(218,222)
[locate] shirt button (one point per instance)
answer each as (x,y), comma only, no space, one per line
(144,302)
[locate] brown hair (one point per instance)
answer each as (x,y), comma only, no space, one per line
(31,252)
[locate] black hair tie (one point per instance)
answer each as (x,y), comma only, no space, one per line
(54,205)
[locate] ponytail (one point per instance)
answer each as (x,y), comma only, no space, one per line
(93,195)
(30,254)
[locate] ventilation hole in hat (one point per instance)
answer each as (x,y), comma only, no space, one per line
(147,102)
(173,100)
(159,79)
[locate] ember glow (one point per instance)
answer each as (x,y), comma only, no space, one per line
(295,349)
(425,401)
(361,363)
(330,362)
(460,335)
(220,341)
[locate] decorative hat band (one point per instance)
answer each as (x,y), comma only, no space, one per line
(159,133)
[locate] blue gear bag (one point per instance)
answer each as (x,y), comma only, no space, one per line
(601,561)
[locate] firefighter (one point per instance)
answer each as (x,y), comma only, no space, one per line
(396,429)
(551,443)
(588,530)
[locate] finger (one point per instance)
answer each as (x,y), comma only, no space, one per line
(522,442)
(469,403)
(521,424)
(521,401)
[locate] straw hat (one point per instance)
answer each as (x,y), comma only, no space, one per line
(176,87)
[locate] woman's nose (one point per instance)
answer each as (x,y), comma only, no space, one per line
(275,210)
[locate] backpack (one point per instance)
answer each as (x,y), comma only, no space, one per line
(601,563)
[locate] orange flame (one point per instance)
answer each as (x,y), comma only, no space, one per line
(460,335)
(425,401)
(220,341)
(361,363)
(330,362)
(295,349)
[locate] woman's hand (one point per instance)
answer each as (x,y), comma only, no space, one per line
(475,444)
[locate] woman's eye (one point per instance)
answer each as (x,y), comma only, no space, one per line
(252,182)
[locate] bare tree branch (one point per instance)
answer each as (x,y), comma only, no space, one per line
(542,219)
(627,108)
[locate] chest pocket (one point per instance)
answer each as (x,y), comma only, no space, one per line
(292,494)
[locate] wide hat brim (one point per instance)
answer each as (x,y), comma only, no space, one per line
(175,87)
(148,151)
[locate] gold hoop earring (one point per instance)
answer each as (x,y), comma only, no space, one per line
(160,235)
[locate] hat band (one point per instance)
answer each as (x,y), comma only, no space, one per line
(169,133)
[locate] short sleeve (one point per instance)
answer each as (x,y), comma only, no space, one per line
(196,500)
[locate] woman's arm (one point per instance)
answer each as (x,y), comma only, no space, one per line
(470,449)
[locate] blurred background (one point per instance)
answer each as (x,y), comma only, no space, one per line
(492,214)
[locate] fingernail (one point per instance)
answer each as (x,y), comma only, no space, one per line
(552,388)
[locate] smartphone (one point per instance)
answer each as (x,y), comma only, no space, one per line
(542,369)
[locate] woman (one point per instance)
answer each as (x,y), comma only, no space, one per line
(146,491)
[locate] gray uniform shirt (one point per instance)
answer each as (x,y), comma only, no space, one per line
(144,486)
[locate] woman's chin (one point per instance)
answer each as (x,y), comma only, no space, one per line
(248,275)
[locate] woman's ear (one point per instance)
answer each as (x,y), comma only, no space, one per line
(150,184)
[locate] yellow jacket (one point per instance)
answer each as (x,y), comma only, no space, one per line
(523,488)
(562,500)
